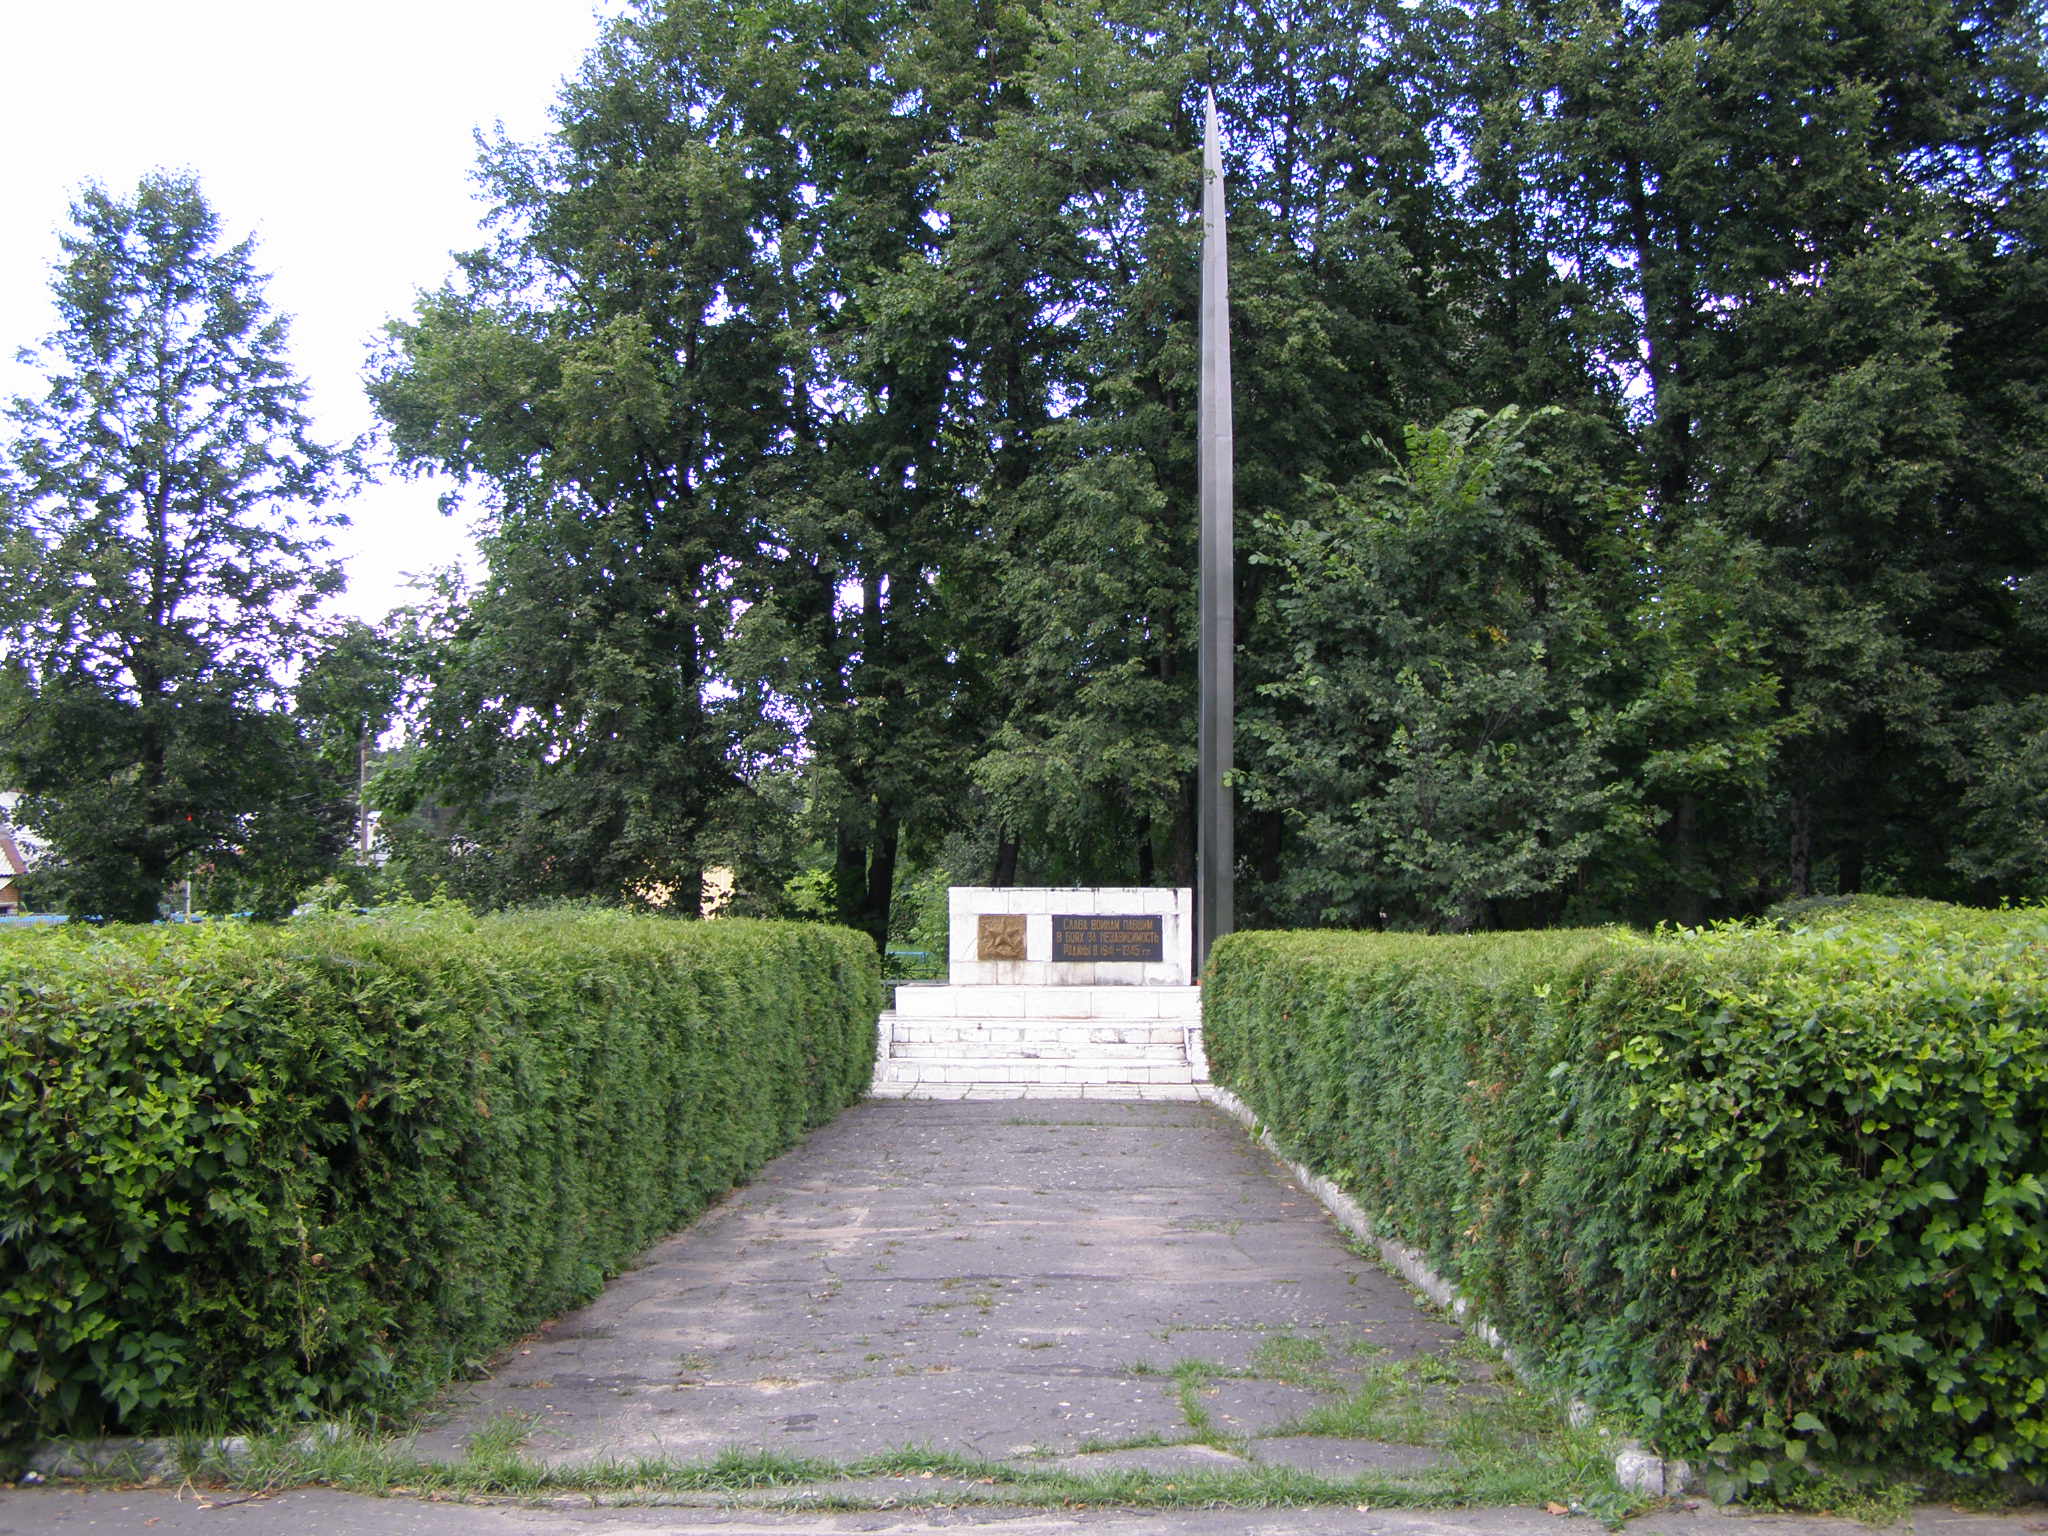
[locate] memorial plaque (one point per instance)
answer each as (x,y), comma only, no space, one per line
(999,936)
(1117,937)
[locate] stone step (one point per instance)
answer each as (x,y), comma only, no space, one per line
(1184,1093)
(999,1033)
(1033,1050)
(933,1001)
(896,1071)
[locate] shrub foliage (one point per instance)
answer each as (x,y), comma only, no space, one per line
(248,1173)
(1776,1192)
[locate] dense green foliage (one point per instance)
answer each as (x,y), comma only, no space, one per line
(250,1173)
(162,503)
(1641,447)
(830,387)
(1776,1194)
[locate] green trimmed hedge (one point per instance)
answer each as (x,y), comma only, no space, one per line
(1780,1195)
(251,1172)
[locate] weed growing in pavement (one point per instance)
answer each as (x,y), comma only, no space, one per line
(1151,1440)
(1438,1371)
(1191,1379)
(1297,1361)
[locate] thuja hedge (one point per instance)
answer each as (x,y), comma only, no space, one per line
(251,1173)
(1778,1195)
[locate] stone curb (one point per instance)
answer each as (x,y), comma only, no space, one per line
(1637,1469)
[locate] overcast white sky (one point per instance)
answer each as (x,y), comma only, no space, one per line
(342,136)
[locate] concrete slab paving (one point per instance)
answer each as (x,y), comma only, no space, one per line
(1256,1407)
(1015,1280)
(323,1512)
(1154,1458)
(1333,1457)
(988,1277)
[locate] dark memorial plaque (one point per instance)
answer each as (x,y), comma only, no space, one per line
(1117,938)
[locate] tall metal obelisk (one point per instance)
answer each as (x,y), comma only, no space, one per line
(1215,882)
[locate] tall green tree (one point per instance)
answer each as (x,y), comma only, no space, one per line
(832,379)
(1341,329)
(608,374)
(733,264)
(165,563)
(1439,740)
(860,606)
(1777,221)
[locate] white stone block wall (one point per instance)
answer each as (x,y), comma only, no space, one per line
(1037,905)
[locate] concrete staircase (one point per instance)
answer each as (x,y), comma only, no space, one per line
(1041,1041)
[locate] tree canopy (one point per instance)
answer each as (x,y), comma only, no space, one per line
(1642,471)
(831,381)
(164,497)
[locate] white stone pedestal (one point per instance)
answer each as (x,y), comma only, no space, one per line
(966,905)
(1010,1024)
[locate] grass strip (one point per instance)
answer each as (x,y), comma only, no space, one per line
(494,1468)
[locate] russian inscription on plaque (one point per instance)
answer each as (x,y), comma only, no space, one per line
(1122,937)
(999,936)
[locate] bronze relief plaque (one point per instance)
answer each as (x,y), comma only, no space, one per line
(1000,936)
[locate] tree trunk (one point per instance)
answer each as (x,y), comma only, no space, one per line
(161,839)
(1005,870)
(1269,837)
(1667,323)
(1688,905)
(881,878)
(1183,843)
(850,875)
(363,798)
(1850,863)
(1799,861)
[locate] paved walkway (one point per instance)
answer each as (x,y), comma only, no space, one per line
(996,1278)
(1036,1281)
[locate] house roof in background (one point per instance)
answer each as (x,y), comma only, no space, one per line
(11,863)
